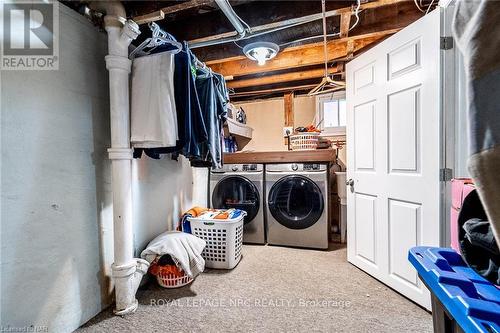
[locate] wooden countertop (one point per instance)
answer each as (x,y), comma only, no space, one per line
(263,157)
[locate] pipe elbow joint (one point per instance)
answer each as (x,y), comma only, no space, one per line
(129,32)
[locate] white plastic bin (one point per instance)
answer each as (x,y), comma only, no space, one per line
(224,240)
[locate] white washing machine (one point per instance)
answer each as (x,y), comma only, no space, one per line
(297,205)
(241,186)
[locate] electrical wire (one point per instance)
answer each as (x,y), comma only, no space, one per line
(429,8)
(309,38)
(356,14)
(419,8)
(241,47)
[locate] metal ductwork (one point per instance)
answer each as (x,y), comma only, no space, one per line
(228,10)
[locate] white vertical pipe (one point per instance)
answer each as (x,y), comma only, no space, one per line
(127,271)
(121,155)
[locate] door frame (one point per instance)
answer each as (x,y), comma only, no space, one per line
(449,89)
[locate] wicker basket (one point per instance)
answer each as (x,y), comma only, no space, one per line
(304,141)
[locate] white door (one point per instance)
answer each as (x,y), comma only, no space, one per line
(393,146)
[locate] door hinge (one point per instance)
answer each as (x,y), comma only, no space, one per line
(446,43)
(445,175)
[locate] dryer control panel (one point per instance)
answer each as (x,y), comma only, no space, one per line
(296,167)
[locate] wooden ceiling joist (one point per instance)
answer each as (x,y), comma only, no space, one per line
(273,90)
(281,78)
(160,14)
(299,56)
(345,22)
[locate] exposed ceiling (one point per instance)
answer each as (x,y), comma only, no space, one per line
(298,66)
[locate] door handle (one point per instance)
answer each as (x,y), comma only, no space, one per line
(350,182)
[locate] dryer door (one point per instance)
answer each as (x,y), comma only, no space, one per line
(237,192)
(296,202)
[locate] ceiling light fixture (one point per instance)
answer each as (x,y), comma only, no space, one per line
(261,51)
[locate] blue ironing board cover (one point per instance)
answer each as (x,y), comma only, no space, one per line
(471,300)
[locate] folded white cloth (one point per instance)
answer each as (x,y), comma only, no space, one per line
(185,249)
(153,112)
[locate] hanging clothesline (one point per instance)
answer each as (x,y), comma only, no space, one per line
(178,103)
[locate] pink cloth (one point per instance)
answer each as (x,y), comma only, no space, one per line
(460,189)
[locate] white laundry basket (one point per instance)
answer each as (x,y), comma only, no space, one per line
(224,240)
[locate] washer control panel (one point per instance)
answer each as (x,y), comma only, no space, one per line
(239,168)
(249,167)
(311,167)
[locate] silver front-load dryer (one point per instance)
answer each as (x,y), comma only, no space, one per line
(297,205)
(241,186)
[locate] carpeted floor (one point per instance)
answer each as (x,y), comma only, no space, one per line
(273,289)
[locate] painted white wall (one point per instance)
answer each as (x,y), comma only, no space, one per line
(56,213)
(163,190)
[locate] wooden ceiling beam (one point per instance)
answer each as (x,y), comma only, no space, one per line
(160,14)
(299,56)
(281,78)
(384,33)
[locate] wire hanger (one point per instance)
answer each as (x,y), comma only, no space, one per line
(327,84)
(158,37)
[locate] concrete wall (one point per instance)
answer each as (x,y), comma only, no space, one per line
(163,190)
(267,118)
(56,208)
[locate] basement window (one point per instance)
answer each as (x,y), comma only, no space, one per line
(331,113)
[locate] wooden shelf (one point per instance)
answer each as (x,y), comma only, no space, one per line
(293,156)
(238,129)
(241,132)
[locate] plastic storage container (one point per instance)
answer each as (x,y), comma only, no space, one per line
(462,300)
(170,280)
(169,276)
(224,240)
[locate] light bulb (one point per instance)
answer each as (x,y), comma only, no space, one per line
(261,51)
(260,54)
